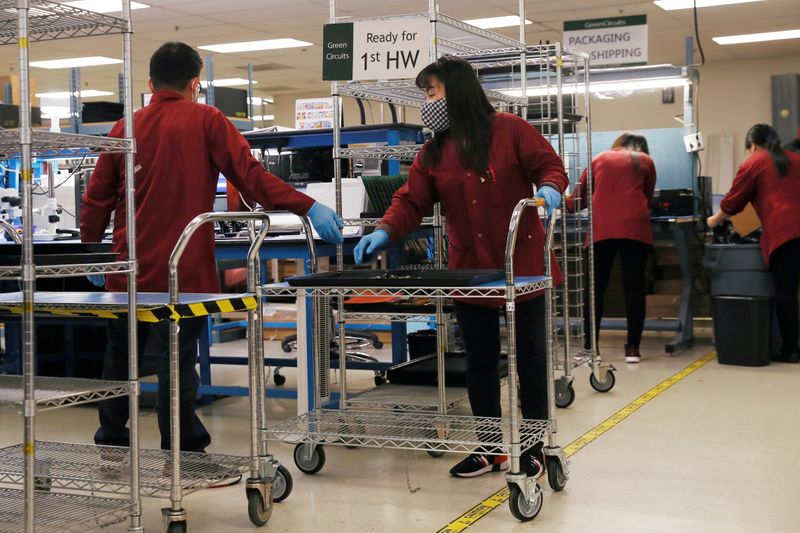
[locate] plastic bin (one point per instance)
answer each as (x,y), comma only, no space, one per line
(421,343)
(738,269)
(742,329)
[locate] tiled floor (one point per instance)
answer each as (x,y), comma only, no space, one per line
(716,452)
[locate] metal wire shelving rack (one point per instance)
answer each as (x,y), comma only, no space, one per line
(30,509)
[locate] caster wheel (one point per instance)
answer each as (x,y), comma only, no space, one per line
(310,466)
(377,344)
(177,527)
(522,509)
(282,486)
(565,396)
(380,379)
(259,511)
(279,379)
(435,453)
(555,473)
(605,385)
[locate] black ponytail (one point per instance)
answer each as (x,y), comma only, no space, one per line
(766,137)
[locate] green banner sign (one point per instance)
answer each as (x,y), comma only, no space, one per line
(337,53)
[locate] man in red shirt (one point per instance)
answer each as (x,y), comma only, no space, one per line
(182,147)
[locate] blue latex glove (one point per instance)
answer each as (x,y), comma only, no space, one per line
(326,222)
(370,244)
(98,280)
(551,197)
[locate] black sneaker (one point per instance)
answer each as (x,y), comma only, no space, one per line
(478,464)
(532,463)
(786,357)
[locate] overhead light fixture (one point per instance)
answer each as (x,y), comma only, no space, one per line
(254,46)
(608,86)
(85,93)
(103,6)
(257,100)
(508,21)
(264,117)
(72,62)
(758,37)
(672,5)
(228,82)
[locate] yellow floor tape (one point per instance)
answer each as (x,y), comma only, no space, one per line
(501,496)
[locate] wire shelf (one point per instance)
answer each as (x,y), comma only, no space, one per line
(523,286)
(50,144)
(50,20)
(426,221)
(60,513)
(403,152)
(391,396)
(60,271)
(106,469)
(406,93)
(406,431)
(52,393)
(580,359)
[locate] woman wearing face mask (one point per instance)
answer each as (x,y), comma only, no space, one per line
(770,180)
(479,164)
(624,179)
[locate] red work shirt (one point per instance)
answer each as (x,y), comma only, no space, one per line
(478,207)
(622,194)
(775,198)
(181,147)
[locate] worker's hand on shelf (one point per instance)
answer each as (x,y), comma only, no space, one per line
(327,223)
(98,280)
(551,197)
(370,244)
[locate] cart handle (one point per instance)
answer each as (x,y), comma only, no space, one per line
(305,226)
(192,227)
(513,229)
(11,231)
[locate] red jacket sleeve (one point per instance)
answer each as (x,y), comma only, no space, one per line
(580,192)
(102,193)
(538,159)
(742,190)
(230,153)
(411,202)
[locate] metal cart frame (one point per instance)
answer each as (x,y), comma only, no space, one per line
(439,432)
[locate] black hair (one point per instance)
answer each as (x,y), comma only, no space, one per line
(793,146)
(468,110)
(173,65)
(635,142)
(765,136)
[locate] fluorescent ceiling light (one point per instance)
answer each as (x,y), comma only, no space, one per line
(264,117)
(228,82)
(601,87)
(671,5)
(254,46)
(257,100)
(758,37)
(497,22)
(76,62)
(85,93)
(103,6)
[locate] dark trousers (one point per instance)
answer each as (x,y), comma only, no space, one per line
(784,263)
(480,329)
(634,263)
(113,429)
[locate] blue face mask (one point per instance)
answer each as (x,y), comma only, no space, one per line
(434,115)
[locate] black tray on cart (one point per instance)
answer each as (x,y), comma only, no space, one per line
(424,371)
(55,253)
(398,278)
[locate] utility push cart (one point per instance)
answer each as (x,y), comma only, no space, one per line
(69,470)
(440,432)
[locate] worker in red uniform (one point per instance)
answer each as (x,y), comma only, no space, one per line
(770,180)
(623,179)
(182,147)
(480,164)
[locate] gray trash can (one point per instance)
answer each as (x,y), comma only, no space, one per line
(738,270)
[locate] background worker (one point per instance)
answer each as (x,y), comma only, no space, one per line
(480,164)
(624,179)
(770,180)
(182,147)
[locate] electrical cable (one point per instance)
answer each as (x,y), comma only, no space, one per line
(697,36)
